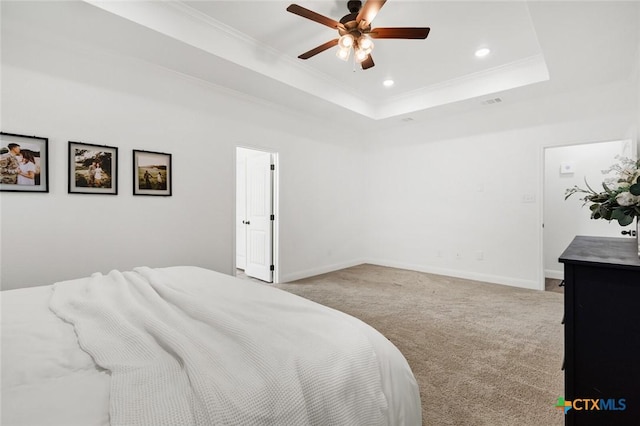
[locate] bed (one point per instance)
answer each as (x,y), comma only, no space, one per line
(189,346)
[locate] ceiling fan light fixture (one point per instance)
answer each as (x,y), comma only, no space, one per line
(360,55)
(344,53)
(346,41)
(365,43)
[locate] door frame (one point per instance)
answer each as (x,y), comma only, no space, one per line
(635,151)
(275,252)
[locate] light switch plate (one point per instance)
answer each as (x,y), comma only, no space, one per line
(566,167)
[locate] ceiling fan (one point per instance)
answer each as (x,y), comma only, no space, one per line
(355,31)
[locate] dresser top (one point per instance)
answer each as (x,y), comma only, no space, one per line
(611,252)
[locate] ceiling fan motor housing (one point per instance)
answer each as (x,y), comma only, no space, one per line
(352,27)
(349,21)
(354,8)
(349,18)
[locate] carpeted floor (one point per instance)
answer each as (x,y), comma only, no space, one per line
(482,354)
(551,284)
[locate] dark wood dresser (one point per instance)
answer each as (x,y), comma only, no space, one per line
(602,331)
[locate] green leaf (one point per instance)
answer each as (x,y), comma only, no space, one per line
(625,220)
(617,214)
(605,212)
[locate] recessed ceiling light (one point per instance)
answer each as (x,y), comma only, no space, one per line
(482,52)
(388,83)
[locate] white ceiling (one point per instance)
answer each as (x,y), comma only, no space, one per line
(458,29)
(251,47)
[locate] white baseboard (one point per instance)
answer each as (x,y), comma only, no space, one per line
(293,276)
(556,275)
(495,279)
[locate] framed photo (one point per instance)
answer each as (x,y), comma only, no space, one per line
(93,169)
(151,173)
(24,163)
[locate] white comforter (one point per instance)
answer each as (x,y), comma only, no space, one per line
(190,346)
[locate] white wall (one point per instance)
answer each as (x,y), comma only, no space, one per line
(423,193)
(446,192)
(563,220)
(70,93)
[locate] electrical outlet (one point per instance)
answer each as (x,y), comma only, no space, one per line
(479,255)
(458,255)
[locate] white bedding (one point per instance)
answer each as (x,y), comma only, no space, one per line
(48,380)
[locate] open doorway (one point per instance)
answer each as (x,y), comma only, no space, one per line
(564,167)
(256,227)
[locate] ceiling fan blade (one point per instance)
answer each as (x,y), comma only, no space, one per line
(367,63)
(369,11)
(406,32)
(319,49)
(310,14)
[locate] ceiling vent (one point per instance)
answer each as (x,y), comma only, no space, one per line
(492,101)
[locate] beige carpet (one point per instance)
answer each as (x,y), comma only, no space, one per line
(551,284)
(483,354)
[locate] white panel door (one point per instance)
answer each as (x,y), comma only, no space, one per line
(259,210)
(241,209)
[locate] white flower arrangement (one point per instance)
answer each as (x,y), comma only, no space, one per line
(620,199)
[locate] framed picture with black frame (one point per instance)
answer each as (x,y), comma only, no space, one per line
(24,163)
(93,169)
(152,173)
